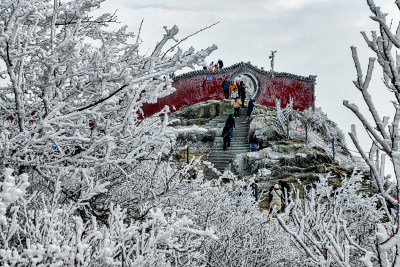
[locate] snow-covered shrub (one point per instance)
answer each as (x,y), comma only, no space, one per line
(352,229)
(55,235)
(72,127)
(318,121)
(333,224)
(246,237)
(71,111)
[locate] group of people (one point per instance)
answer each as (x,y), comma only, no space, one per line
(234,90)
(215,66)
(237,93)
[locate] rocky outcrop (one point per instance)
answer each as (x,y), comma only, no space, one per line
(289,161)
(201,113)
(278,159)
(264,126)
(281,158)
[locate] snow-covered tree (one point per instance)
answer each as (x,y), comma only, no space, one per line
(322,220)
(333,225)
(385,136)
(70,111)
(84,174)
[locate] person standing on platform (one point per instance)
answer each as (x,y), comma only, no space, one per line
(242,92)
(225,86)
(232,88)
(220,64)
(235,92)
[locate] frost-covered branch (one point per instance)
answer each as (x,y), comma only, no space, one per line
(326,221)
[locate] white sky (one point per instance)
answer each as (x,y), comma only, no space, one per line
(311,37)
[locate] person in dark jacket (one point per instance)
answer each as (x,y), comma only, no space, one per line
(230,123)
(220,64)
(250,109)
(226,137)
(242,92)
(285,193)
(254,189)
(253,143)
(225,86)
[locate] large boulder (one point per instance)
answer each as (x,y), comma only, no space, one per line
(282,160)
(265,128)
(201,113)
(197,135)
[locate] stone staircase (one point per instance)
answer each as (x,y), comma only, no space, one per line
(239,143)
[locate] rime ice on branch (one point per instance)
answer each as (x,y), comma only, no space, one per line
(325,226)
(70,118)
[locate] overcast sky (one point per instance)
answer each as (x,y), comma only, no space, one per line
(311,37)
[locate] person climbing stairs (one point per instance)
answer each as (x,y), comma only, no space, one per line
(239,144)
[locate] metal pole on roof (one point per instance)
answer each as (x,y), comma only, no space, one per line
(272,57)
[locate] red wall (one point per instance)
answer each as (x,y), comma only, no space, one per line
(302,92)
(201,86)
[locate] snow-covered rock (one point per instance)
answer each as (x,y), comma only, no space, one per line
(264,127)
(202,112)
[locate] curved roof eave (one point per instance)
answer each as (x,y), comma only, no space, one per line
(310,78)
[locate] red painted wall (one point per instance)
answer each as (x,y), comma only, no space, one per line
(189,91)
(302,92)
(202,86)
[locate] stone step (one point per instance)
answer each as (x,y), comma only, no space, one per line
(237,151)
(222,162)
(233,144)
(232,149)
(235,140)
(217,158)
(235,132)
(222,166)
(239,143)
(244,134)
